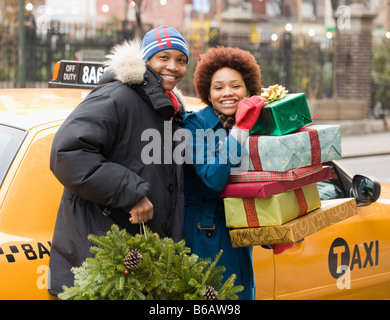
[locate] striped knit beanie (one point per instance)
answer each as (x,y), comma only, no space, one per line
(163,38)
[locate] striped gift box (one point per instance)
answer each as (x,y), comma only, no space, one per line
(264,189)
(289,175)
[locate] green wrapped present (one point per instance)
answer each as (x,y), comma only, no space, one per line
(283,116)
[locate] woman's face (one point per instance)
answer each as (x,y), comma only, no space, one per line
(227,89)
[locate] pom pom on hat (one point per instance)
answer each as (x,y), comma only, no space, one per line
(163,38)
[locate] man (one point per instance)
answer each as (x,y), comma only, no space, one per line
(97,152)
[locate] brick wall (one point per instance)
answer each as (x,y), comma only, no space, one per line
(354,65)
(354,55)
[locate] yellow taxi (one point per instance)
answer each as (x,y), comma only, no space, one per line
(30,195)
(348,260)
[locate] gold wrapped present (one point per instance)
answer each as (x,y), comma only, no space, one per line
(330,213)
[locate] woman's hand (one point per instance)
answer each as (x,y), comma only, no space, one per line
(248,112)
(142,211)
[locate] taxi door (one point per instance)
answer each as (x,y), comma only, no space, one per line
(349,260)
(27,219)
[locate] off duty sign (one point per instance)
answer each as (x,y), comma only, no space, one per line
(79,73)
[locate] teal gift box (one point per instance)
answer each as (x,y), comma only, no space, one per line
(283,116)
(313,144)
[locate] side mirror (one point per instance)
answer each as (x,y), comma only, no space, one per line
(365,189)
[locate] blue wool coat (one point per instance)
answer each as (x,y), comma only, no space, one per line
(203,181)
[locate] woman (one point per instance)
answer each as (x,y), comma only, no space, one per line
(97,153)
(224,79)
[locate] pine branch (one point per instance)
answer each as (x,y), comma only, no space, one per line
(167,270)
(108,287)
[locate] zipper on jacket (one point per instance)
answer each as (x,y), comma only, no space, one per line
(172,204)
(106,212)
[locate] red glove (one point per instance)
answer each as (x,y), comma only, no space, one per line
(248,112)
(281,247)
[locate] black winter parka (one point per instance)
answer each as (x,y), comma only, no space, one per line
(99,155)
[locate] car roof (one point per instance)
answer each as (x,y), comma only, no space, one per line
(31,107)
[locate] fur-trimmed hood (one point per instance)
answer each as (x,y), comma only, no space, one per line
(126,64)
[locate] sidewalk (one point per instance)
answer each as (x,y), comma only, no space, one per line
(364,145)
(374,142)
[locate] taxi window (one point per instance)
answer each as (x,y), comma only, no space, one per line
(10,140)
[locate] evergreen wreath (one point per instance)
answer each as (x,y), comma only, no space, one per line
(146,266)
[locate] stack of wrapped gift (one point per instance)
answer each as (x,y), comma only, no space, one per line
(278,183)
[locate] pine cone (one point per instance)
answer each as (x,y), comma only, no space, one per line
(132,260)
(211,293)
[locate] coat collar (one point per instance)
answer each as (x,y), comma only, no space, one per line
(126,63)
(210,118)
(153,90)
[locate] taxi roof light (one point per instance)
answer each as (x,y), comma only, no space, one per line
(77,74)
(56,70)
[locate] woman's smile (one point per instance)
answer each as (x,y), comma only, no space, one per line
(227,89)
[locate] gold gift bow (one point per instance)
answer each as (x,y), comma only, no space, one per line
(273,93)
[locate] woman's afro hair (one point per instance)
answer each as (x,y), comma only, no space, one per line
(216,58)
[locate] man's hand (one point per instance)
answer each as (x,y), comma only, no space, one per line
(141,212)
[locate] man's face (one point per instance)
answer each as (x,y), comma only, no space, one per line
(171,65)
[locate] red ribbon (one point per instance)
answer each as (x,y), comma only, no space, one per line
(254,153)
(314,143)
(250,211)
(301,201)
